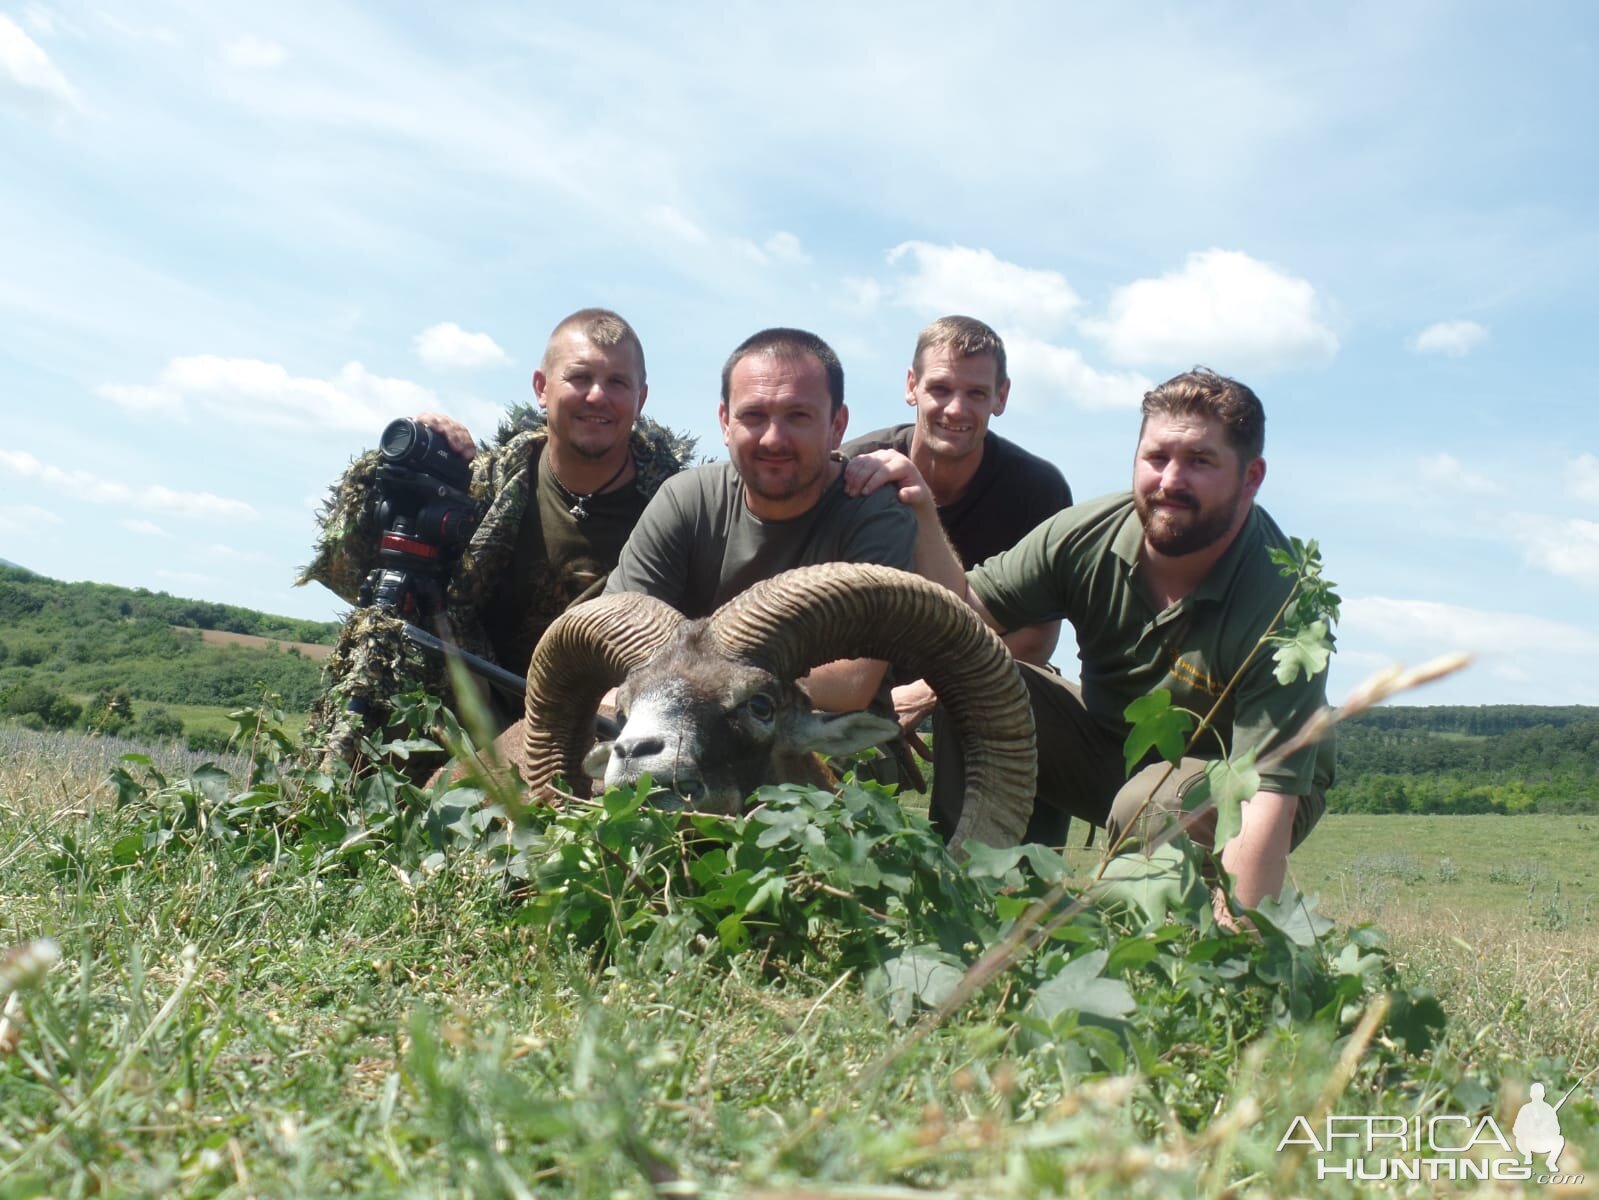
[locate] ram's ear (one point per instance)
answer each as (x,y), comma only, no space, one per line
(842,733)
(596,760)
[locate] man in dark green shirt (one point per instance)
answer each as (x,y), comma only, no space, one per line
(1171,587)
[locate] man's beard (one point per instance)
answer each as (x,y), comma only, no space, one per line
(798,481)
(592,444)
(1172,535)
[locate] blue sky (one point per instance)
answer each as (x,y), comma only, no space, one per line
(238,239)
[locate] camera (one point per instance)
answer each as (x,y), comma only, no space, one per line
(426,516)
(409,444)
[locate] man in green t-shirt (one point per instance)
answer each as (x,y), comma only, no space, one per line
(1170,587)
(780,502)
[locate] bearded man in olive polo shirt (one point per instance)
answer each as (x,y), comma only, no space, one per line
(1170,586)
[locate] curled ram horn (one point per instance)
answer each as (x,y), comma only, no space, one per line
(585,652)
(711,710)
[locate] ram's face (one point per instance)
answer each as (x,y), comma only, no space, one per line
(711,730)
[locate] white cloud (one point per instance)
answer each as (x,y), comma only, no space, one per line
(1527,658)
(250,391)
(1568,548)
(1428,627)
(786,248)
(935,280)
(41,19)
(448,345)
(140,398)
(1225,309)
(675,224)
(251,53)
(26,518)
(85,485)
(781,247)
(1042,371)
(1582,476)
(30,69)
(1449,473)
(1453,338)
(143,528)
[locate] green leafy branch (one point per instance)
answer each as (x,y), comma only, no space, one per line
(1301,631)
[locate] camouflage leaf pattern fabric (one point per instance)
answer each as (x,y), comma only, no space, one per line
(372,661)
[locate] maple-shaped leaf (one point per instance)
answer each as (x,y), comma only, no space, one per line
(1156,723)
(1306,649)
(1228,785)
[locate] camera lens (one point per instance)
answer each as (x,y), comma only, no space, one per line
(400,438)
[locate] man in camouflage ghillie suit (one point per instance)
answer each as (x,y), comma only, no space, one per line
(561,487)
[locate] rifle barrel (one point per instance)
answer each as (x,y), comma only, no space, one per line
(511,684)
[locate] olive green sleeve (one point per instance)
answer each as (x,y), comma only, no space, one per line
(1029,582)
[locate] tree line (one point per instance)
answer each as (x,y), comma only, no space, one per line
(1455,759)
(107,659)
(53,605)
(99,657)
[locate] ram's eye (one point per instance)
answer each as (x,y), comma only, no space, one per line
(761,706)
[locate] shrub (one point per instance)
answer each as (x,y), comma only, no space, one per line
(28,654)
(157,724)
(210,740)
(50,706)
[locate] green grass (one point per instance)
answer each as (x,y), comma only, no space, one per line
(214,718)
(364,1029)
(202,718)
(1505,867)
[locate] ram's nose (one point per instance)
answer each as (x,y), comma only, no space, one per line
(637,746)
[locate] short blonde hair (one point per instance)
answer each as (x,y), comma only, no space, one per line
(602,327)
(966,337)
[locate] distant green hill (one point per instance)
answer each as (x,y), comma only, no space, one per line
(1453,759)
(105,657)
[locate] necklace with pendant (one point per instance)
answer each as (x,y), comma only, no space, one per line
(577,509)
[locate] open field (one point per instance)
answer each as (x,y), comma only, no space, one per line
(224,1023)
(1463,872)
(315,651)
(214,717)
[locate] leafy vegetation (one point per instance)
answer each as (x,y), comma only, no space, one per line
(79,605)
(257,978)
(277,983)
(1493,759)
(111,660)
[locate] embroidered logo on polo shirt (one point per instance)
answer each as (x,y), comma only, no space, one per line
(1194,676)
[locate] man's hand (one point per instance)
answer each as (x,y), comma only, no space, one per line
(457,434)
(865,473)
(935,557)
(912,703)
